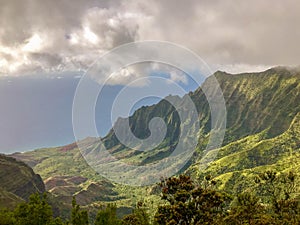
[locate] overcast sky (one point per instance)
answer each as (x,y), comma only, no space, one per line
(68,35)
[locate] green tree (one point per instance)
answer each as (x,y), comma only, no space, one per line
(7,217)
(281,193)
(36,212)
(188,203)
(247,209)
(107,215)
(78,216)
(138,217)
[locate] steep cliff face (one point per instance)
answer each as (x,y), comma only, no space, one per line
(262,133)
(254,102)
(259,101)
(18,181)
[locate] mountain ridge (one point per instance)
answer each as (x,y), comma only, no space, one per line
(18,181)
(261,109)
(250,109)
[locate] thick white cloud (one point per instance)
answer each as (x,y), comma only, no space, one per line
(61,35)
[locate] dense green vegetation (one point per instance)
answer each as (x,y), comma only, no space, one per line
(274,200)
(237,162)
(255,102)
(66,174)
(263,134)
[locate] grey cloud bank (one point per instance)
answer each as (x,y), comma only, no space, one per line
(65,35)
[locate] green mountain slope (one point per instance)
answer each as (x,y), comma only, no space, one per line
(262,132)
(239,161)
(66,174)
(18,182)
(255,102)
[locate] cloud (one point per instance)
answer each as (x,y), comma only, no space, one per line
(61,35)
(178,77)
(232,32)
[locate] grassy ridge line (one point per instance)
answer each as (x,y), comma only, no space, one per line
(239,160)
(261,107)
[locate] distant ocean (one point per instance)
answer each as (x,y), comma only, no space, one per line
(36,111)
